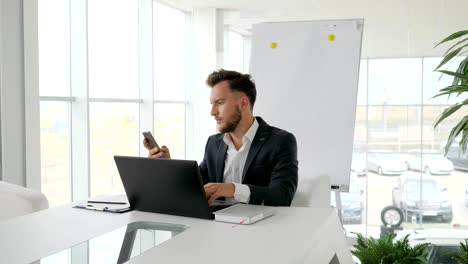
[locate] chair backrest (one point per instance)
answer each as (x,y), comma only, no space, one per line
(16,201)
(313,192)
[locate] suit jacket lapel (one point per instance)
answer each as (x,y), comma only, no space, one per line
(221,158)
(260,138)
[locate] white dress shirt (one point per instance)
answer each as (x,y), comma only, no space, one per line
(235,163)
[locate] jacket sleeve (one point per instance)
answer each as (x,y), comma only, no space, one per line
(284,176)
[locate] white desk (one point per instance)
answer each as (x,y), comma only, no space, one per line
(292,235)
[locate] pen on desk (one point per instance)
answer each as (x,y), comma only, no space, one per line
(104,202)
(96,208)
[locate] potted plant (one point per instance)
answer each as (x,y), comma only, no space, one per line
(386,250)
(461,257)
(459,86)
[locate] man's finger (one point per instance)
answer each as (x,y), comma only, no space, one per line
(154,151)
(213,197)
(210,189)
(146,144)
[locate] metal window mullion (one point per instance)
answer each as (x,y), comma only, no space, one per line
(79,85)
(57,99)
(170,102)
(367,147)
(146,66)
(188,113)
(113,100)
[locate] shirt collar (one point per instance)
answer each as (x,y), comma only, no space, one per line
(249,135)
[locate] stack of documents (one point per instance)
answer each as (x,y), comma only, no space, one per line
(243,214)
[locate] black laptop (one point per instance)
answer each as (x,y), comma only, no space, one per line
(166,186)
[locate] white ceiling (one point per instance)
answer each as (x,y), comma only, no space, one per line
(392,28)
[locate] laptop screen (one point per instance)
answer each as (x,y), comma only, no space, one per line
(166,186)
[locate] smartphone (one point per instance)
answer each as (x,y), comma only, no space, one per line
(151,140)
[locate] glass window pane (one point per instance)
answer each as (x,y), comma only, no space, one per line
(395,81)
(234,59)
(362,86)
(169,52)
(394,128)
(54,47)
(55,152)
(360,129)
(113,131)
(434,81)
(435,139)
(169,128)
(113,48)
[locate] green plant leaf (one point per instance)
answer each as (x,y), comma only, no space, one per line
(453,36)
(455,132)
(448,57)
(462,69)
(458,89)
(456,44)
(449,111)
(456,74)
(386,251)
(464,141)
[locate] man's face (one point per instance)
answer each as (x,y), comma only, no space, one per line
(225,107)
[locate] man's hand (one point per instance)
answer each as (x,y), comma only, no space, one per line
(156,152)
(215,190)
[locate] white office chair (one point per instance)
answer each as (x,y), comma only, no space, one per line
(16,201)
(313,192)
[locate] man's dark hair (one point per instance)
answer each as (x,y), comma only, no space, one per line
(237,82)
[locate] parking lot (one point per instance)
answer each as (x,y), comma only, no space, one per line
(379,194)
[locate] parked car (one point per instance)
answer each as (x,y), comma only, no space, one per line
(387,164)
(358,164)
(442,241)
(421,195)
(459,159)
(430,163)
(352,203)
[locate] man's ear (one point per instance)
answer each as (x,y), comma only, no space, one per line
(245,101)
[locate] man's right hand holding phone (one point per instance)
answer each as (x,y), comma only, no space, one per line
(155,151)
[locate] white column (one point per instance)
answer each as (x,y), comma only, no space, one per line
(32,104)
(12,92)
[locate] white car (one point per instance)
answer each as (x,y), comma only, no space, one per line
(387,164)
(358,164)
(430,163)
(422,196)
(443,241)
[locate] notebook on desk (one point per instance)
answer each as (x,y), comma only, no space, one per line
(243,214)
(166,186)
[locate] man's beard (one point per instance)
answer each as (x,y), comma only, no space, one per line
(233,122)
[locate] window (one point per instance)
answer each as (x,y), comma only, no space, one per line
(99,90)
(55,149)
(54,89)
(169,71)
(395,139)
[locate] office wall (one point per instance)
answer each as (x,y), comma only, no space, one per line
(392,28)
(12,92)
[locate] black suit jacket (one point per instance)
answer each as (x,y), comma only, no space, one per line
(270,170)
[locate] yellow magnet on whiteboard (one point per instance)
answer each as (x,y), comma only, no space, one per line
(273,45)
(331,37)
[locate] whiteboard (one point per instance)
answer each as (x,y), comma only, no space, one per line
(306,75)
